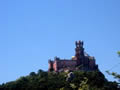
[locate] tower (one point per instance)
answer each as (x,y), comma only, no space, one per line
(79,52)
(50,65)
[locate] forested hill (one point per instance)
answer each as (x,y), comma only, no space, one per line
(42,80)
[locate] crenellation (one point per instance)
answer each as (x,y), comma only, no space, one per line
(81,61)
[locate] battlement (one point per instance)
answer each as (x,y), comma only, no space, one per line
(81,58)
(79,44)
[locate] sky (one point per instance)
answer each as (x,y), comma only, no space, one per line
(33,31)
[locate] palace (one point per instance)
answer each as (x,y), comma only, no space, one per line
(81,61)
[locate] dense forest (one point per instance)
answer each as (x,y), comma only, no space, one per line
(77,80)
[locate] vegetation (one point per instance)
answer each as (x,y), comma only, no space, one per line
(114,74)
(92,80)
(118,53)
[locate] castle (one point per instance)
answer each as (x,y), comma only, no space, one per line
(81,61)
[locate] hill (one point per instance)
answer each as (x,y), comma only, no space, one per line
(80,80)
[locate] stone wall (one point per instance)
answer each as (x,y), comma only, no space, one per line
(66,63)
(80,59)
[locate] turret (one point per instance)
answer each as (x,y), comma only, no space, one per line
(79,50)
(50,65)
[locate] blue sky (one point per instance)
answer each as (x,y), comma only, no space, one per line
(33,31)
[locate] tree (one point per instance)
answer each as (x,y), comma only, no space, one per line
(83,80)
(114,74)
(32,74)
(84,85)
(118,53)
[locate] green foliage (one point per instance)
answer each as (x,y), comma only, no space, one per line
(114,74)
(118,53)
(92,80)
(84,85)
(32,74)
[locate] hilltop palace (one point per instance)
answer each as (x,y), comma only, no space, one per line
(81,61)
